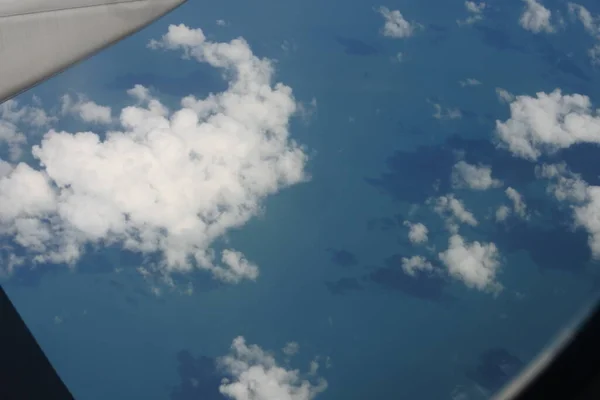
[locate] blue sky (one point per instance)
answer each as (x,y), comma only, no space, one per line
(314,200)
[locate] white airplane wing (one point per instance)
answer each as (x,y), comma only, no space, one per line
(40,38)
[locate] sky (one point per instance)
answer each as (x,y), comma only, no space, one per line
(299,200)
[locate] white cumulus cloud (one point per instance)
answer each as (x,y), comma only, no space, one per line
(417,233)
(592,26)
(475,11)
(454,210)
(414,264)
(519,206)
(255,375)
(87,110)
(548,122)
(165,183)
(469,82)
(476,177)
(475,264)
(536,18)
(502,213)
(395,25)
(585,200)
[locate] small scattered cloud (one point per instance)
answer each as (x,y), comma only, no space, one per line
(255,374)
(454,210)
(536,18)
(476,177)
(592,26)
(291,348)
(475,264)
(569,187)
(222,22)
(504,95)
(396,26)
(548,122)
(416,263)
(475,10)
(469,82)
(417,233)
(519,206)
(447,113)
(502,213)
(86,110)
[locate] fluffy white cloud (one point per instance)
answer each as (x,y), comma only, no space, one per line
(168,183)
(536,17)
(473,263)
(255,375)
(594,54)
(87,110)
(414,264)
(33,116)
(14,119)
(585,200)
(504,95)
(448,113)
(518,204)
(591,25)
(469,82)
(502,213)
(566,185)
(291,348)
(454,209)
(12,139)
(475,11)
(417,233)
(395,25)
(477,177)
(548,122)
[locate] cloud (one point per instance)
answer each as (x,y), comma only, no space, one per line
(469,82)
(15,118)
(547,123)
(395,25)
(590,23)
(502,213)
(475,11)
(476,177)
(473,263)
(414,264)
(566,185)
(448,113)
(222,22)
(585,200)
(504,95)
(12,139)
(168,183)
(536,18)
(291,348)
(87,110)
(454,209)
(592,26)
(417,233)
(255,375)
(518,204)
(33,116)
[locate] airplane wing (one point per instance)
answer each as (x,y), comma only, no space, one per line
(40,38)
